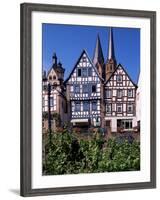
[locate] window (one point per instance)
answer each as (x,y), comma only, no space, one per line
(119,108)
(50,77)
(108,93)
(119,93)
(119,78)
(51,101)
(130,93)
(90,71)
(108,108)
(86,106)
(93,88)
(84,72)
(127,124)
(79,72)
(130,108)
(54,77)
(77,106)
(77,88)
(94,105)
(85,88)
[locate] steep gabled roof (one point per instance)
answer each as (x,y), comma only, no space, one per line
(83,52)
(98,53)
(119,65)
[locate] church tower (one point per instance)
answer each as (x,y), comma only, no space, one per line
(111,60)
(98,59)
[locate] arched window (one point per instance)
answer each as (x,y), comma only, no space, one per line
(54,77)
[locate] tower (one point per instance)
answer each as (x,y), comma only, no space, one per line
(98,59)
(56,72)
(111,60)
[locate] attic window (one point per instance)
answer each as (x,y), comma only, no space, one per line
(84,72)
(79,72)
(90,71)
(119,78)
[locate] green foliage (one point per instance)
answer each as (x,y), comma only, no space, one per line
(68,154)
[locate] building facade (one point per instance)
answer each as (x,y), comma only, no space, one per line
(97,93)
(54,102)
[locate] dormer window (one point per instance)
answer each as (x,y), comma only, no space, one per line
(119,78)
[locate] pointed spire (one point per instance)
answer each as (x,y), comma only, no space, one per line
(98,53)
(111,53)
(54,57)
(111,62)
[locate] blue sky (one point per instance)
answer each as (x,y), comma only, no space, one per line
(68,41)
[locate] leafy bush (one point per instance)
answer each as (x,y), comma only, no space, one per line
(68,154)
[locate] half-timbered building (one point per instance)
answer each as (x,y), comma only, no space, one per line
(120,101)
(84,93)
(119,95)
(54,103)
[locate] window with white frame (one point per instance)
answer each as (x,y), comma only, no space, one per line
(127,124)
(130,93)
(130,107)
(119,78)
(76,88)
(108,108)
(94,105)
(85,106)
(77,106)
(84,72)
(119,107)
(85,88)
(89,71)
(108,93)
(119,93)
